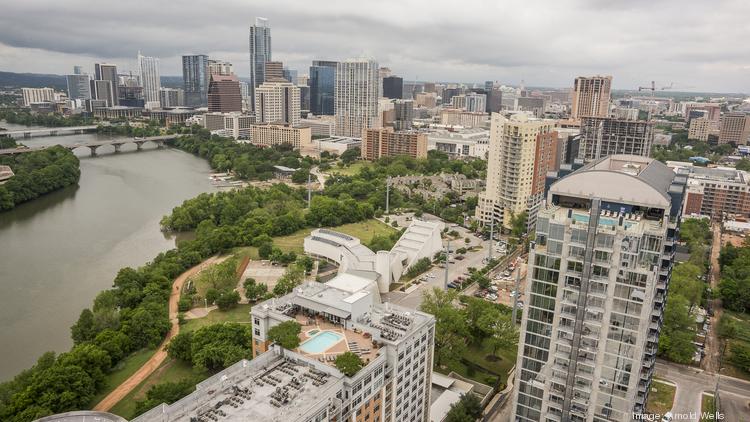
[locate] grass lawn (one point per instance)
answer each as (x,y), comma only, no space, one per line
(707,406)
(239,314)
(170,371)
(661,397)
(351,170)
(124,369)
(480,368)
(741,338)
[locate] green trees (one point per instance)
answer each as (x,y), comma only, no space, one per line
(285,334)
(213,347)
(676,339)
(419,267)
(254,291)
(37,173)
(227,300)
(292,277)
(349,363)
(167,392)
(734,287)
(450,328)
(468,409)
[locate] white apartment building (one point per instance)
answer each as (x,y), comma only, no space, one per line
(271,134)
(150,79)
(320,125)
(235,125)
(598,274)
(356,96)
(474,142)
(277,102)
(37,95)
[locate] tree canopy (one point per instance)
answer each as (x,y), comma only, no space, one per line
(349,363)
(285,334)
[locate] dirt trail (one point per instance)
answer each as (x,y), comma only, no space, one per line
(713,344)
(158,358)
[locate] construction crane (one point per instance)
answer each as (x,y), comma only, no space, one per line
(653,88)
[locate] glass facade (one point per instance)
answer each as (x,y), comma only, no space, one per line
(322,85)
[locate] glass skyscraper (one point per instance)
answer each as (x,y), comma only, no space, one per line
(260,53)
(322,86)
(195,79)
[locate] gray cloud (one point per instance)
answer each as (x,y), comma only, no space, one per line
(688,42)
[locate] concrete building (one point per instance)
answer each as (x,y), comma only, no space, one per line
(171,116)
(462,143)
(718,193)
(494,100)
(522,151)
(79,87)
(591,96)
(598,274)
(118,112)
(172,97)
(289,74)
(534,105)
(712,110)
(224,94)
(700,128)
(260,54)
(386,142)
(322,87)
(274,72)
(37,95)
(455,117)
(337,144)
(475,103)
(356,96)
(735,128)
(625,113)
(220,67)
(402,115)
(102,90)
(393,87)
(321,126)
(234,125)
(274,134)
(195,79)
(426,99)
(106,72)
(278,102)
(603,136)
(148,68)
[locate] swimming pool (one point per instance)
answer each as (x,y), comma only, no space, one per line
(321,342)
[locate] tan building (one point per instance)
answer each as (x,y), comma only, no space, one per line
(701,127)
(270,134)
(426,99)
(591,96)
(224,95)
(387,142)
(37,95)
(455,117)
(274,71)
(278,102)
(735,128)
(713,110)
(522,151)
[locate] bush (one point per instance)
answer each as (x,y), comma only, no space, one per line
(349,363)
(285,334)
(227,300)
(419,267)
(184,304)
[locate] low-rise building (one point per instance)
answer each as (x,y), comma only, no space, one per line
(455,117)
(235,125)
(118,112)
(320,125)
(387,142)
(171,116)
(337,144)
(273,134)
(715,192)
(473,142)
(37,95)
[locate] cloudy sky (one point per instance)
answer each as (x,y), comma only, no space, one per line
(697,45)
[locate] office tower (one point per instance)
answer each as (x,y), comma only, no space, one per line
(245,91)
(356,96)
(429,87)
(322,86)
(476,103)
(591,96)
(106,72)
(260,53)
(130,92)
(426,99)
(304,97)
(603,136)
(195,79)
(79,87)
(277,102)
(393,87)
(403,114)
(224,94)
(102,90)
(386,142)
(274,71)
(150,79)
(290,75)
(449,93)
(219,67)
(171,97)
(597,280)
(700,128)
(37,95)
(77,70)
(494,100)
(522,151)
(735,128)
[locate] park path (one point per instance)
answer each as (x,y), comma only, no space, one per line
(161,353)
(712,359)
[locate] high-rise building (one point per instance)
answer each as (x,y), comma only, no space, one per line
(274,71)
(735,128)
(290,75)
(322,86)
(79,87)
(77,70)
(393,87)
(603,136)
(494,100)
(260,54)
(700,128)
(356,96)
(102,90)
(224,94)
(476,103)
(522,151)
(386,142)
(219,67)
(150,79)
(426,99)
(598,274)
(591,96)
(106,72)
(37,95)
(195,79)
(277,102)
(403,114)
(171,97)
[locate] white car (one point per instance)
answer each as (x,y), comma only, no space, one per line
(667,417)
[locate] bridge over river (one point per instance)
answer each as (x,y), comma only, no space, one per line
(159,141)
(53,131)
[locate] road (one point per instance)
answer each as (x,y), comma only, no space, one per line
(161,353)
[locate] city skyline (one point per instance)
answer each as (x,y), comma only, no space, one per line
(686,49)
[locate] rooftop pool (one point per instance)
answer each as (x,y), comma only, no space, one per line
(321,342)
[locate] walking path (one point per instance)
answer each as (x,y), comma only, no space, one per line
(713,343)
(161,353)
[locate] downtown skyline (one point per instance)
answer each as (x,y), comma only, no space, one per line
(693,48)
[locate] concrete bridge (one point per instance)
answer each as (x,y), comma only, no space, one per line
(159,141)
(53,131)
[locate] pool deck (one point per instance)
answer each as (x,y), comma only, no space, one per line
(328,356)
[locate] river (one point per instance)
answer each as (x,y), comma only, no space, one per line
(58,251)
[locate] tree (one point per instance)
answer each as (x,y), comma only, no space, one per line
(467,409)
(254,290)
(227,300)
(450,325)
(293,276)
(676,339)
(285,334)
(499,330)
(300,176)
(212,295)
(518,224)
(265,250)
(743,164)
(184,304)
(180,347)
(83,330)
(166,392)
(350,155)
(349,363)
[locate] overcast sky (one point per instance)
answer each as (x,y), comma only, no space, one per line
(697,45)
